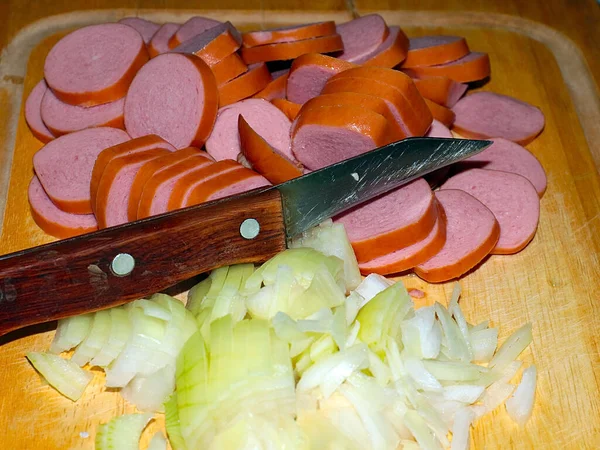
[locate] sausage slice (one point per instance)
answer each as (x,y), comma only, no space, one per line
(285,51)
(246,85)
(145,27)
(434,50)
(275,89)
(440,113)
(160,41)
(228,68)
(33,114)
(288,34)
(214,44)
(191,28)
(441,90)
(473,67)
(290,109)
(390,53)
(362,36)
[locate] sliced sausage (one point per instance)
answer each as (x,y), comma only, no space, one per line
(330,134)
(263,158)
(434,50)
(112,196)
(405,259)
(54,221)
(290,109)
(228,68)
(473,67)
(62,118)
(265,118)
(440,113)
(64,166)
(471,233)
(191,28)
(437,177)
(362,36)
(439,130)
(145,27)
(129,147)
(33,114)
(160,41)
(310,72)
(288,34)
(289,50)
(152,168)
(441,90)
(275,89)
(489,115)
(174,96)
(390,53)
(214,44)
(95,64)
(246,85)
(507,156)
(511,197)
(395,220)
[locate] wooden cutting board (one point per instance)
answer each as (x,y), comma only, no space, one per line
(554,283)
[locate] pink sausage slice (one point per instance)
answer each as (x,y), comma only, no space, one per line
(362,37)
(268,120)
(33,114)
(62,118)
(439,130)
(511,198)
(145,27)
(248,184)
(64,166)
(191,28)
(490,115)
(95,64)
(471,233)
(160,41)
(509,157)
(174,96)
(54,221)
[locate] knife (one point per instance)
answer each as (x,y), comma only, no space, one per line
(115,265)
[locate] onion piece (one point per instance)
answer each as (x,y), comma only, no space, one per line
(120,330)
(452,336)
(464,393)
(422,377)
(122,432)
(95,340)
(150,392)
(484,343)
(158,442)
(172,423)
(512,347)
(461,429)
(71,332)
(196,295)
(63,375)
(520,406)
(372,285)
(422,433)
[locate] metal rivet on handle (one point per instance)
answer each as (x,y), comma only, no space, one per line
(122,264)
(249,228)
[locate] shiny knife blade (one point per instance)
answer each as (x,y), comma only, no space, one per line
(118,264)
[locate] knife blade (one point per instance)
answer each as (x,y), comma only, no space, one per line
(112,266)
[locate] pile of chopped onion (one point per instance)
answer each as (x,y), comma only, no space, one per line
(298,354)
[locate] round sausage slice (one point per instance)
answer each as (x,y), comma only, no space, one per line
(64,166)
(275,89)
(285,51)
(290,109)
(441,90)
(54,221)
(33,114)
(214,44)
(434,50)
(395,220)
(471,233)
(62,118)
(95,64)
(145,27)
(440,113)
(391,52)
(246,85)
(228,68)
(265,118)
(438,130)
(288,34)
(160,41)
(191,28)
(511,197)
(490,115)
(473,67)
(362,36)
(174,96)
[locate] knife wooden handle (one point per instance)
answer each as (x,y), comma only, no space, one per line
(80,274)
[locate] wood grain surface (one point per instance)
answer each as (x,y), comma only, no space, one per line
(554,283)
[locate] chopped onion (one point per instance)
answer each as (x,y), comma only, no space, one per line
(520,405)
(512,347)
(70,332)
(120,330)
(456,312)
(422,433)
(172,423)
(353,303)
(196,295)
(453,370)
(452,336)
(484,343)
(95,340)
(461,429)
(353,334)
(148,393)
(158,442)
(122,432)
(372,285)
(63,375)
(422,377)
(464,393)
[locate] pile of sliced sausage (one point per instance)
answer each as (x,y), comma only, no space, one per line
(140,119)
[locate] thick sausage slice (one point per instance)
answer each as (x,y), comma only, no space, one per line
(160,41)
(112,196)
(191,28)
(395,220)
(507,156)
(275,89)
(228,68)
(33,114)
(362,36)
(330,134)
(471,233)
(290,109)
(265,118)
(263,158)
(62,118)
(174,96)
(310,72)
(145,27)
(289,50)
(511,197)
(153,167)
(214,44)
(64,166)
(404,259)
(246,85)
(473,67)
(390,53)
(441,90)
(440,113)
(54,221)
(95,64)
(140,144)
(487,115)
(288,34)
(434,50)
